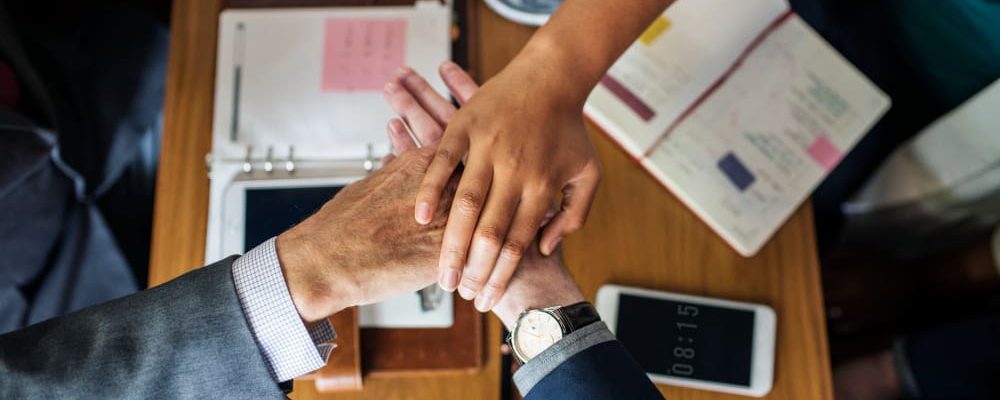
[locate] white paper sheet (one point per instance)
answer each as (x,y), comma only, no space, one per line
(310,78)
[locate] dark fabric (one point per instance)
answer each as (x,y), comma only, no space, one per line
(604,371)
(78,151)
(59,254)
(186,339)
(958,360)
(102,68)
(955,44)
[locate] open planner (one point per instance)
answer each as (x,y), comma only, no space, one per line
(739,108)
(299,113)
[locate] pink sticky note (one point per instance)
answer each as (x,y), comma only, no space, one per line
(825,153)
(362,54)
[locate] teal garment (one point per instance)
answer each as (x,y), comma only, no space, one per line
(955,44)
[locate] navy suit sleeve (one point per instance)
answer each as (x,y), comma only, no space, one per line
(603,371)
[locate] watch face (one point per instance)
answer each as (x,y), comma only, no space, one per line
(536,331)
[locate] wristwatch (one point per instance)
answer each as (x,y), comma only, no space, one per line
(539,328)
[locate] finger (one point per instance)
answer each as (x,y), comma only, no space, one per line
(425,128)
(549,214)
(459,83)
(399,136)
(490,233)
(528,218)
(578,195)
(430,100)
(465,209)
(447,156)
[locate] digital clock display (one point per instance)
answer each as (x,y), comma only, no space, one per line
(687,340)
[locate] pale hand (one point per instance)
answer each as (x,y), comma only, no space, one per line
(362,246)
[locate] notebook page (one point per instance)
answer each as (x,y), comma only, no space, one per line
(748,156)
(312,78)
(673,63)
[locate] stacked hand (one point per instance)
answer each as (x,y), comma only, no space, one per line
(521,148)
(539,281)
(363,246)
(524,175)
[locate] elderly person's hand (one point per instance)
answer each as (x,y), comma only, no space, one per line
(363,246)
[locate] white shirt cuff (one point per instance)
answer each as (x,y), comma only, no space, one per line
(290,347)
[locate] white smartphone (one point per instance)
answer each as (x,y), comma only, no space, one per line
(692,341)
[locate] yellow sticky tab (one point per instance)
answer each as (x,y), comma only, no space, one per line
(655,30)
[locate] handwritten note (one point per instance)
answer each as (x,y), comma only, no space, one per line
(362,54)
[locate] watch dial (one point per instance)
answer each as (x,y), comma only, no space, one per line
(536,331)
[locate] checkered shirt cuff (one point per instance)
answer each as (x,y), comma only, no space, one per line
(290,347)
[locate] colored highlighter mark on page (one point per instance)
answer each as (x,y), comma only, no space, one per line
(630,99)
(738,174)
(362,54)
(825,153)
(654,31)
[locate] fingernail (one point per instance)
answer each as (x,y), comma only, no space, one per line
(466,293)
(552,247)
(390,87)
(448,280)
(485,301)
(449,67)
(403,70)
(423,213)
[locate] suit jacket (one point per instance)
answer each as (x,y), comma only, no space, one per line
(189,339)
(185,339)
(79,125)
(603,371)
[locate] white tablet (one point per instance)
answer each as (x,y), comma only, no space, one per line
(256,210)
(692,341)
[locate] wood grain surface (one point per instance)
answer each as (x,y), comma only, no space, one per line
(638,233)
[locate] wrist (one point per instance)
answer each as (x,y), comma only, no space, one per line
(317,284)
(509,309)
(554,73)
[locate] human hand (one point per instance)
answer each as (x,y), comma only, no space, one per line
(349,253)
(429,115)
(525,142)
(540,281)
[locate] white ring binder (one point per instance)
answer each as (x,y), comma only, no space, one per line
(249,163)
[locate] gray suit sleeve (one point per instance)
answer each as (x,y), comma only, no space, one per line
(185,339)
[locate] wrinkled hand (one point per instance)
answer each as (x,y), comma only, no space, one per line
(539,281)
(362,246)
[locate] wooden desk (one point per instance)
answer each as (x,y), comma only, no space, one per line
(638,233)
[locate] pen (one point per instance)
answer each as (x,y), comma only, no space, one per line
(234,123)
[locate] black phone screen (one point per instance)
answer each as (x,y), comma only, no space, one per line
(687,340)
(270,211)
